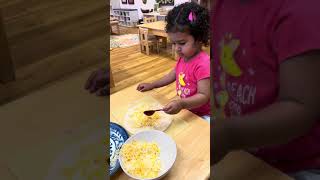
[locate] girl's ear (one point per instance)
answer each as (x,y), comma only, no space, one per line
(198,43)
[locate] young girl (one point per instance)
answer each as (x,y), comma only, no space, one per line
(266,62)
(188,29)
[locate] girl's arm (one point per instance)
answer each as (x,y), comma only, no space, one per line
(202,97)
(293,115)
(199,99)
(167,79)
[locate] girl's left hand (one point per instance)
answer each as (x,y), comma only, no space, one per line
(173,107)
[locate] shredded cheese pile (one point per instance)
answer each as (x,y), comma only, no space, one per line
(142,120)
(141,159)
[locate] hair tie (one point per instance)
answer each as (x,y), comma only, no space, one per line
(192,17)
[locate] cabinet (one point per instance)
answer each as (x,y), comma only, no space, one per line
(126,17)
(158,16)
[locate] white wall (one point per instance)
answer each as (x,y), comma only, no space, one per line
(176,2)
(139,4)
(115,3)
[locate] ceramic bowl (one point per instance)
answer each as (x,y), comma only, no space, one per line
(118,136)
(167,146)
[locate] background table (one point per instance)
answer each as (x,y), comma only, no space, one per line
(158,28)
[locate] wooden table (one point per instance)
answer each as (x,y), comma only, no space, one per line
(192,137)
(241,165)
(158,28)
(190,132)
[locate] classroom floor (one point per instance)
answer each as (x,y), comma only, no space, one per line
(130,66)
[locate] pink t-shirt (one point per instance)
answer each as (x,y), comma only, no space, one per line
(187,76)
(250,40)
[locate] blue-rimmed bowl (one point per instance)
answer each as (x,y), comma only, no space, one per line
(118,136)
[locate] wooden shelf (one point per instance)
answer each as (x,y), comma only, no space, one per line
(127,17)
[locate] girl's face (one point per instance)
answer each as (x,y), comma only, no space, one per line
(185,45)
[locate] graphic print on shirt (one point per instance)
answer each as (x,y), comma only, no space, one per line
(228,62)
(182,91)
(233,94)
(230,67)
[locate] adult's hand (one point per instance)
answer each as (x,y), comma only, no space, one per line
(98,82)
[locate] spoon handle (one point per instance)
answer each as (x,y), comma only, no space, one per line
(158,110)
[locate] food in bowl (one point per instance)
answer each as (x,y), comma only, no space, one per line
(141,159)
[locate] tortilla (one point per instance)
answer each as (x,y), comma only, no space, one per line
(134,116)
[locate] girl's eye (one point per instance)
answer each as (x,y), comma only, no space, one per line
(182,43)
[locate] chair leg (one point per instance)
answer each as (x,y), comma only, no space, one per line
(164,42)
(147,49)
(118,28)
(158,47)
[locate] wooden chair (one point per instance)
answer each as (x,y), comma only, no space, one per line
(149,19)
(114,23)
(174,54)
(147,41)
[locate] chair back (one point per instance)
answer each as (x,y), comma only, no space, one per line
(143,35)
(149,19)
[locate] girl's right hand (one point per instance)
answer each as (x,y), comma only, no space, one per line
(145,87)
